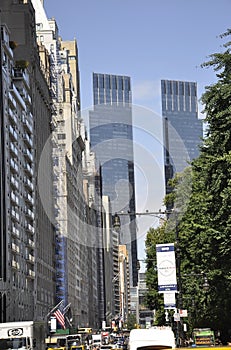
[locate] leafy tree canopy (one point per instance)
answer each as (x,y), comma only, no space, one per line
(202,214)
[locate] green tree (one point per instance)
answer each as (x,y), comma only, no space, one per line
(202,203)
(131,322)
(205,230)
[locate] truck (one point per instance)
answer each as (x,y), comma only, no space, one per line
(203,337)
(96,339)
(152,338)
(22,335)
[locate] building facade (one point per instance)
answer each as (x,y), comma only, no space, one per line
(93,193)
(28,274)
(182,130)
(124,285)
(110,279)
(111,138)
(45,213)
(76,275)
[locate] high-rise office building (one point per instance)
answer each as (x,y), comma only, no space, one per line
(182,129)
(111,138)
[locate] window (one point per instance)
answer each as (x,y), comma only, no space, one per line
(114,85)
(39,26)
(101,81)
(164,86)
(95,80)
(182,88)
(176,87)
(170,87)
(61,136)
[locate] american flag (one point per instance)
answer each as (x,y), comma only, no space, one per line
(58,313)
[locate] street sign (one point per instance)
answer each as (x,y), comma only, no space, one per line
(169,301)
(176,317)
(183,313)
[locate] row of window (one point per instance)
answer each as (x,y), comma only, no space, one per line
(106,81)
(173,87)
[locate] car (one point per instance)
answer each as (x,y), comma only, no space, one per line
(106,347)
(118,346)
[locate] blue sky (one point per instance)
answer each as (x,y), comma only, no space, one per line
(147,40)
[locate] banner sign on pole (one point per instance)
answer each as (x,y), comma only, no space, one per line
(169,301)
(176,317)
(166,267)
(183,313)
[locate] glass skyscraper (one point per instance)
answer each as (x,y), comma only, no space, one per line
(111,138)
(182,130)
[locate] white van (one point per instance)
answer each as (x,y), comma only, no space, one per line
(152,338)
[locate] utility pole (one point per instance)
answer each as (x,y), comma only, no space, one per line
(179,287)
(179,304)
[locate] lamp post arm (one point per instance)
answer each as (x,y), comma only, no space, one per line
(144,213)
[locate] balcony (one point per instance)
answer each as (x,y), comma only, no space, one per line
(29,227)
(31,274)
(30,243)
(14,166)
(14,198)
(7,48)
(12,101)
(30,117)
(29,198)
(12,116)
(13,150)
(15,215)
(15,231)
(15,94)
(13,134)
(15,264)
(28,155)
(27,124)
(28,99)
(28,169)
(15,247)
(29,213)
(31,258)
(28,140)
(28,183)
(20,74)
(14,182)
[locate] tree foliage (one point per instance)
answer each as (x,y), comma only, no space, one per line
(131,321)
(202,197)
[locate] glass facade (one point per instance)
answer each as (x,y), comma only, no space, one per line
(182,129)
(111,139)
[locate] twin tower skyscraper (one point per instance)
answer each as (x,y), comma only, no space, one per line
(111,136)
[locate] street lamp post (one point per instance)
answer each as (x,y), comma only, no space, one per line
(117,227)
(180,334)
(159,214)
